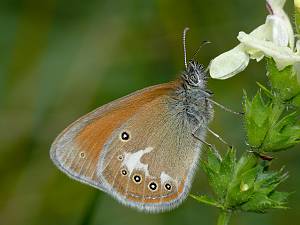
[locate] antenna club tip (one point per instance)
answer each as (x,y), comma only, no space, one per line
(186,29)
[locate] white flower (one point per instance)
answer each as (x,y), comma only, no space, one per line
(275,39)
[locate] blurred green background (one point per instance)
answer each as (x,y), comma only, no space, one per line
(60,59)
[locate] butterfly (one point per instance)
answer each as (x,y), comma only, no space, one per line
(143,148)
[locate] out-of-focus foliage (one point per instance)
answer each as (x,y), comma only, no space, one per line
(61,59)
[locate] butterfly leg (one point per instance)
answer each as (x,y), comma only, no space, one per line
(218,137)
(201,140)
(210,146)
(194,133)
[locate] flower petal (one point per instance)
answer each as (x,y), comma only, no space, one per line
(263,32)
(277,10)
(283,56)
(280,35)
(229,63)
(275,4)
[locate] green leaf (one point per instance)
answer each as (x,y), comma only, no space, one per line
(219,171)
(242,184)
(284,83)
(256,119)
(264,195)
(267,181)
(283,134)
(296,101)
(280,198)
(213,160)
(228,164)
(266,90)
(246,162)
(242,188)
(206,200)
(245,185)
(259,203)
(213,179)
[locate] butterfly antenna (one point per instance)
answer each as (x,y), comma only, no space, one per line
(202,44)
(184,45)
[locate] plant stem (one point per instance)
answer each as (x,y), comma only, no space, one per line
(224,217)
(91,209)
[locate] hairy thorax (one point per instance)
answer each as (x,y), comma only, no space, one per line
(193,106)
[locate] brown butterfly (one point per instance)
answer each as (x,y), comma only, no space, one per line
(143,148)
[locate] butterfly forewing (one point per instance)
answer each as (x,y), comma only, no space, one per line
(76,151)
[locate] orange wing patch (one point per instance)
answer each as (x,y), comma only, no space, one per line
(77,149)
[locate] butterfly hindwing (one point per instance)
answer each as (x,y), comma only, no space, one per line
(153,168)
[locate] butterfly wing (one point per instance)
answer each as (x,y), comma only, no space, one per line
(76,151)
(152,168)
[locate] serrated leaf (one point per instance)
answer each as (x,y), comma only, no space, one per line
(218,171)
(228,163)
(264,195)
(259,202)
(266,90)
(282,135)
(213,179)
(296,101)
(284,83)
(280,197)
(213,160)
(245,185)
(242,185)
(206,200)
(246,162)
(256,119)
(268,181)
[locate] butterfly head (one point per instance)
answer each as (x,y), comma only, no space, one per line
(194,75)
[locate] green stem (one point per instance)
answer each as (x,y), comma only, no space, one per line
(224,217)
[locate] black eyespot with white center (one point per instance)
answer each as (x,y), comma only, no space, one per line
(120,157)
(124,172)
(152,186)
(137,179)
(125,136)
(168,187)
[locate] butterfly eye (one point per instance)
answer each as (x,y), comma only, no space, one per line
(194,79)
(168,187)
(152,186)
(137,179)
(124,172)
(125,136)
